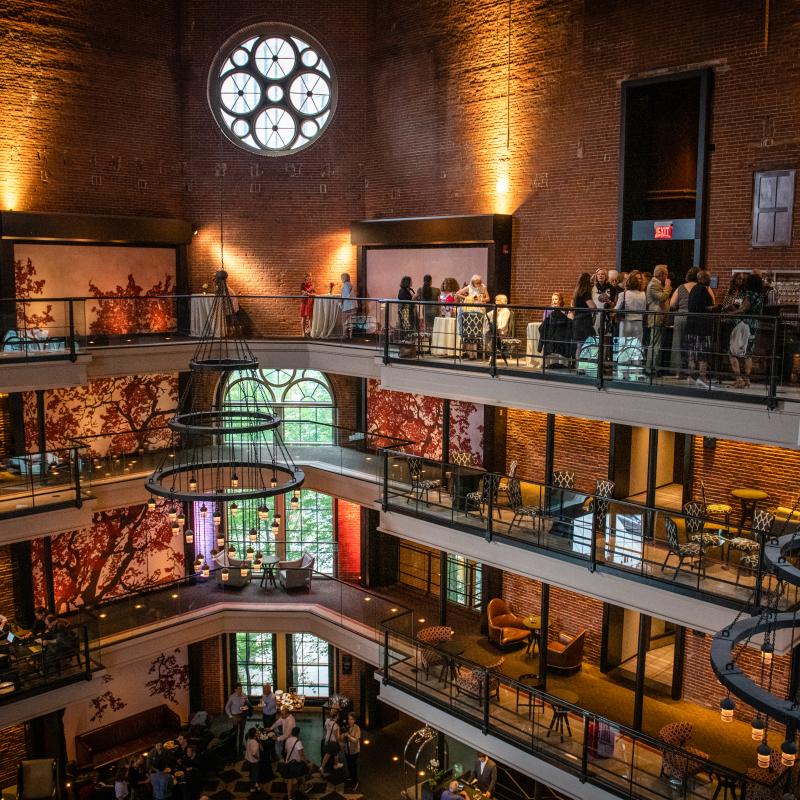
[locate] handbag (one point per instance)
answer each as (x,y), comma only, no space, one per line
(291,769)
(740,338)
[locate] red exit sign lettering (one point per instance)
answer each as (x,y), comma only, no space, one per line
(663,231)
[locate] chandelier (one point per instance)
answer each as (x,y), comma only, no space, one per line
(223,457)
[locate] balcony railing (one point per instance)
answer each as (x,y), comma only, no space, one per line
(31,665)
(599,751)
(641,351)
(708,556)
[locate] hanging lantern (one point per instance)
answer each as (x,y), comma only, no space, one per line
(253,535)
(767,649)
(294,503)
(263,512)
(203,511)
(198,566)
(231,552)
(277,518)
(225,574)
(258,559)
(175,528)
(726,709)
(181,519)
(172,513)
(220,540)
(274,480)
(249,553)
(188,536)
(216,518)
(757,728)
(192,484)
(234,481)
(276,526)
(764,755)
(245,571)
(206,573)
(234,509)
(788,753)
(151,504)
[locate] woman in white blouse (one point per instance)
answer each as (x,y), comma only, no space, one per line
(475,288)
(347,305)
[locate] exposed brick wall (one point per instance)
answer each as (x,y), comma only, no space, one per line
(345,394)
(569,612)
(13,748)
(701,686)
(442,149)
(348,522)
(581,446)
(71,140)
(350,685)
(212,690)
(6,583)
(730,465)
(278,223)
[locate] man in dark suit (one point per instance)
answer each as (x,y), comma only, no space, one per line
(485,772)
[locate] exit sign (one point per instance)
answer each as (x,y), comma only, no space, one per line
(662,230)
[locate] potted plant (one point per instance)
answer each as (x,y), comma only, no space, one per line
(431,788)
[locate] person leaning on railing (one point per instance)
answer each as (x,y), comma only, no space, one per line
(699,330)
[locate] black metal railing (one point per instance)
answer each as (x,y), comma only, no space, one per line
(703,555)
(599,751)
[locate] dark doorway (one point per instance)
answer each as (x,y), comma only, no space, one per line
(662,176)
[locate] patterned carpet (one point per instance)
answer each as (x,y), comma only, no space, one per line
(234,784)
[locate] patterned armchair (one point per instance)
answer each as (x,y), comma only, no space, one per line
(682,550)
(475,501)
(767,784)
(685,761)
(750,549)
(603,492)
(421,485)
(429,638)
(521,511)
(695,520)
(471,681)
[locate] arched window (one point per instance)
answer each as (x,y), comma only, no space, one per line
(301,397)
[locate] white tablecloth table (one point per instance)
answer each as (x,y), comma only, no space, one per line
(200,309)
(534,357)
(445,341)
(326,321)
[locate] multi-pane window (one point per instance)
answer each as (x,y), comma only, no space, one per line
(272,89)
(302,398)
(244,521)
(255,659)
(463,581)
(311,528)
(309,664)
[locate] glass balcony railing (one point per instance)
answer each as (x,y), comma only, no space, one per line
(741,357)
(599,751)
(702,554)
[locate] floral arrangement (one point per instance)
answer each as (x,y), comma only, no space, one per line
(435,773)
(289,701)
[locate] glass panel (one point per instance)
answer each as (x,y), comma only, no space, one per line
(309,661)
(255,660)
(310,528)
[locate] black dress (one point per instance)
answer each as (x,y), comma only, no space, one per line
(583,324)
(405,311)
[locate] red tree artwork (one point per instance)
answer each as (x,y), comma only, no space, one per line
(130,309)
(125,550)
(103,406)
(169,676)
(105,702)
(419,418)
(36,314)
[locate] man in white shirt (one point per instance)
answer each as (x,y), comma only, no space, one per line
(237,708)
(286,723)
(269,710)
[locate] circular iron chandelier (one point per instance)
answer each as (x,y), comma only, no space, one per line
(227,456)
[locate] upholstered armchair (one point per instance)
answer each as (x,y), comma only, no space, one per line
(37,779)
(566,653)
(767,784)
(432,636)
(506,629)
(234,566)
(470,681)
(685,761)
(296,574)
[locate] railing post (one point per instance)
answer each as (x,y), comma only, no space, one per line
(385,499)
(485,727)
(385,656)
(585,751)
(72,353)
(601,350)
(493,361)
(772,382)
(593,544)
(490,506)
(759,571)
(86,652)
(386,333)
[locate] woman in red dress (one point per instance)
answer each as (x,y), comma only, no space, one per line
(307,303)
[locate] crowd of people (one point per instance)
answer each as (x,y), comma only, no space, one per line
(277,745)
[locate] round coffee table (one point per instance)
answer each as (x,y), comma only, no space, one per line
(529,700)
(533,622)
